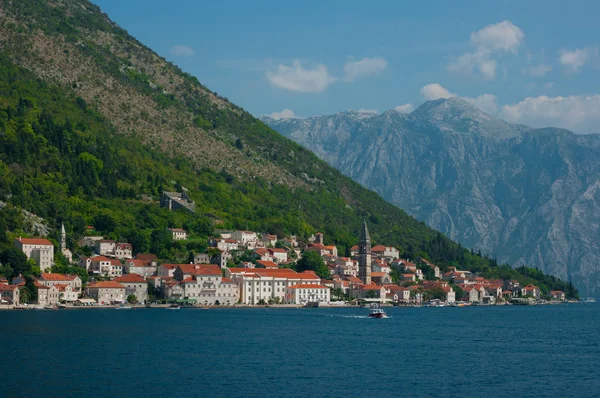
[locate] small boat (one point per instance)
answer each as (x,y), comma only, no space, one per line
(589,300)
(173,307)
(376,312)
(123,307)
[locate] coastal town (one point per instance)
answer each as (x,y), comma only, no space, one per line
(248,268)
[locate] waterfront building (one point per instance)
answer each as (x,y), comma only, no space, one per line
(10,294)
(136,285)
(264,285)
(304,293)
(107,292)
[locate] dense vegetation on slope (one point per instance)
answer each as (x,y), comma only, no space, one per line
(72,160)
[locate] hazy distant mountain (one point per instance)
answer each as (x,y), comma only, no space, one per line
(526,195)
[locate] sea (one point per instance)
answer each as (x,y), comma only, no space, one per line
(516,351)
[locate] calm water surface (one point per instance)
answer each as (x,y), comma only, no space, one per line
(545,351)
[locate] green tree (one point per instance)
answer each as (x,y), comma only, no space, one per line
(131,299)
(312,261)
(16,260)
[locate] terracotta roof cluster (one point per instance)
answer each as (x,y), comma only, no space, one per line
(57,277)
(200,269)
(130,278)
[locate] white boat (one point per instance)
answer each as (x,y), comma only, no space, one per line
(173,307)
(376,312)
(123,307)
(589,300)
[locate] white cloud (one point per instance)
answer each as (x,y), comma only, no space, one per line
(504,36)
(485,102)
(540,70)
(492,39)
(574,60)
(364,110)
(181,51)
(406,108)
(435,91)
(469,63)
(297,78)
(576,113)
(364,67)
(284,114)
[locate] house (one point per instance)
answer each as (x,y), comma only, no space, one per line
(531,290)
(381,278)
(324,250)
(409,278)
(167,270)
(262,254)
(261,285)
(46,295)
(269,240)
(202,258)
(266,264)
(140,267)
(279,255)
(10,294)
(206,285)
(39,249)
(247,238)
(398,294)
(475,293)
(105,247)
(380,266)
(385,252)
(107,292)
(123,251)
(172,290)
(66,293)
(371,291)
(177,201)
(73,281)
(557,295)
(105,266)
(301,294)
(134,285)
(151,259)
(178,233)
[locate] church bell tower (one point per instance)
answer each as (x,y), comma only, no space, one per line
(364,255)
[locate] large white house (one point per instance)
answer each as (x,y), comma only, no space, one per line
(39,249)
(136,285)
(107,292)
(205,284)
(263,284)
(304,293)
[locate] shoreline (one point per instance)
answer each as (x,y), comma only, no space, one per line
(245,306)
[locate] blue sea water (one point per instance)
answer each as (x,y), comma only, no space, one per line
(541,351)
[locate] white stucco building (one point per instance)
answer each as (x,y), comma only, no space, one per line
(107,292)
(136,285)
(264,285)
(304,293)
(39,249)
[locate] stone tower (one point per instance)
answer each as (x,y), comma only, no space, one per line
(364,255)
(63,245)
(63,238)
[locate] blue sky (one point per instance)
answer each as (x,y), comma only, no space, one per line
(533,62)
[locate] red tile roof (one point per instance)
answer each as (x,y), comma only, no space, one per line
(146,256)
(35,241)
(107,285)
(8,287)
(130,278)
(58,277)
(267,264)
(200,269)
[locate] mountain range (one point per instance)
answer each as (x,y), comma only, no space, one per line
(521,195)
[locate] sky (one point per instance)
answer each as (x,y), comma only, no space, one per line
(530,62)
